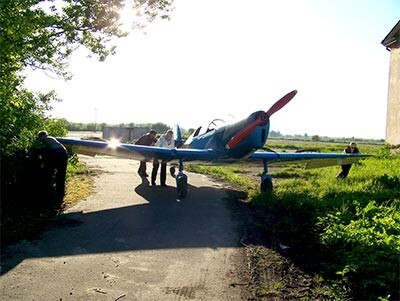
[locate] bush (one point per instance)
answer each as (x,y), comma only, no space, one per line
(21,173)
(355,243)
(365,248)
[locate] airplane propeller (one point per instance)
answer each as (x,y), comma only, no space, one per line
(262,119)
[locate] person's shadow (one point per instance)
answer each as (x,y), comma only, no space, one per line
(159,221)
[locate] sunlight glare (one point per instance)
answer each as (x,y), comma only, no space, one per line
(129,15)
(114,143)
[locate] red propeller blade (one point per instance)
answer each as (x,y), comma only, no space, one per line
(281,103)
(261,120)
(243,134)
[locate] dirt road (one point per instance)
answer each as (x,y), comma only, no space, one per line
(130,241)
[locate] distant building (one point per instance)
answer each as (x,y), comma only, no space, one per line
(392,44)
(123,134)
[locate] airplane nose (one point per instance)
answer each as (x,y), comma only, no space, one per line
(256,119)
(262,118)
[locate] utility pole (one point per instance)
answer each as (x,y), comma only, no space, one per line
(95,120)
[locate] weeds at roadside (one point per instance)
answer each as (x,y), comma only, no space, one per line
(343,230)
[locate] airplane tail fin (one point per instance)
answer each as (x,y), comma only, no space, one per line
(178,137)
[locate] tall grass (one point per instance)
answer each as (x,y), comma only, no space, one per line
(355,222)
(348,229)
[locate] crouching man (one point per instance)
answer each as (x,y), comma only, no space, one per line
(55,158)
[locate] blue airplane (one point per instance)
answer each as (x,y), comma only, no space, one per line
(217,144)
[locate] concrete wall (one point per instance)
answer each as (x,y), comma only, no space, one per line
(123,134)
(393,107)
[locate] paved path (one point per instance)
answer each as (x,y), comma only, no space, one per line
(129,241)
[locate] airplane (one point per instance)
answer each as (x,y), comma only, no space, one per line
(217,144)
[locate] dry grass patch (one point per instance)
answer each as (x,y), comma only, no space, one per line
(79,187)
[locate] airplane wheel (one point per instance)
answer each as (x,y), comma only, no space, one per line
(181,185)
(266,183)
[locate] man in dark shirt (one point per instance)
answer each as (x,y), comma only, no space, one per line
(351,149)
(148,139)
(55,158)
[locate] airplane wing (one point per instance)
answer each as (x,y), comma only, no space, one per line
(140,152)
(137,152)
(312,160)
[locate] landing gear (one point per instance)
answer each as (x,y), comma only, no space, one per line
(266,182)
(181,185)
(266,179)
(181,181)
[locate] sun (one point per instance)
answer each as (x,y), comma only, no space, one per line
(129,15)
(114,143)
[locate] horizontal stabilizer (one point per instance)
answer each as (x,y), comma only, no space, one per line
(312,160)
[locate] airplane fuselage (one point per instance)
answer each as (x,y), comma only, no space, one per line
(217,139)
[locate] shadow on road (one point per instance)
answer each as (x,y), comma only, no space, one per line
(198,221)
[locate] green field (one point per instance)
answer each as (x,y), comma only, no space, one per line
(347,230)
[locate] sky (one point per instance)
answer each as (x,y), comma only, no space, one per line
(224,58)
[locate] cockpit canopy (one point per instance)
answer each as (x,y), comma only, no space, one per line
(201,130)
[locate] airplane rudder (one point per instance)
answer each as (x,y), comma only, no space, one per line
(178,140)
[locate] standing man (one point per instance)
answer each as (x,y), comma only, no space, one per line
(55,158)
(166,141)
(351,149)
(148,139)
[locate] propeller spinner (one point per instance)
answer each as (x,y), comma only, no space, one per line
(262,119)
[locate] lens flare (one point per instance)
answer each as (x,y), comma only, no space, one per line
(114,143)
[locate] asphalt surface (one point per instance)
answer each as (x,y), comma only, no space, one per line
(131,241)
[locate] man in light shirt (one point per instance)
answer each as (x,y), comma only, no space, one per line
(166,141)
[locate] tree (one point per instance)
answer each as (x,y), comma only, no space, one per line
(160,127)
(42,34)
(275,134)
(188,133)
(315,138)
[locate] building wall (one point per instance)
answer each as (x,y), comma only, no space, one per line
(123,134)
(393,108)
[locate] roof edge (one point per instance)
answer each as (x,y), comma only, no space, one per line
(390,37)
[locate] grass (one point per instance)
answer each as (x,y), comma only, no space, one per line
(344,230)
(234,174)
(320,146)
(79,183)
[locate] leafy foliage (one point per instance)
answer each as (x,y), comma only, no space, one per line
(56,128)
(346,230)
(363,244)
(351,225)
(42,34)
(75,166)
(21,117)
(76,126)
